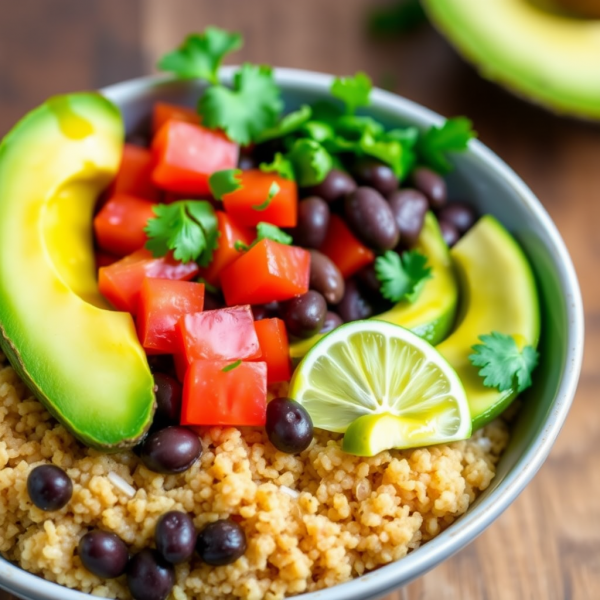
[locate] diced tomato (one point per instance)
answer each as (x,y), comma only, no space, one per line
(121,282)
(230,233)
(245,204)
(222,334)
(344,249)
(273,340)
(103,259)
(162,303)
(268,272)
(163,112)
(119,226)
(135,174)
(186,155)
(234,397)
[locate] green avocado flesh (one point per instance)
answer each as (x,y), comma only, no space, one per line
(82,360)
(431,315)
(542,55)
(497,293)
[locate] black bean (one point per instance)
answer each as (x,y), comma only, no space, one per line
(171,450)
(325,277)
(289,426)
(432,185)
(459,214)
(368,279)
(336,185)
(354,305)
(104,554)
(370,218)
(409,208)
(168,400)
(161,363)
(221,543)
(332,320)
(375,174)
(175,536)
(149,576)
(246,162)
(259,312)
(49,487)
(449,233)
(304,315)
(313,221)
(213,301)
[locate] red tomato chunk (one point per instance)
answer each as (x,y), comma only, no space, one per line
(223,334)
(119,226)
(162,303)
(121,282)
(135,174)
(230,233)
(163,112)
(273,340)
(187,155)
(235,397)
(282,209)
(268,272)
(342,247)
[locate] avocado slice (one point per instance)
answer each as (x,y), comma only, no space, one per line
(82,360)
(548,57)
(432,314)
(497,293)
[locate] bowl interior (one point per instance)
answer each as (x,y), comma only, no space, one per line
(486,182)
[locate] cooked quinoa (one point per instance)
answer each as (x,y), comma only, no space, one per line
(312,520)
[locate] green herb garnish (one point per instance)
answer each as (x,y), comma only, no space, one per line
(438,142)
(187,227)
(402,277)
(504,365)
(280,165)
(200,55)
(311,162)
(354,92)
(232,366)
(266,231)
(225,182)
(273,191)
(288,124)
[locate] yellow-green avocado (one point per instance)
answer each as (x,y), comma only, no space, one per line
(431,315)
(497,293)
(82,360)
(538,53)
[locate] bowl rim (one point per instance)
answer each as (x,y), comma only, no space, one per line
(484,513)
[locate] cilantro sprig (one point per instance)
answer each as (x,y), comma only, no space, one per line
(311,162)
(504,365)
(354,92)
(187,227)
(200,55)
(225,182)
(232,366)
(437,142)
(402,276)
(274,189)
(266,231)
(280,165)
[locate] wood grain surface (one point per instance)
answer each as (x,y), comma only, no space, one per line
(547,544)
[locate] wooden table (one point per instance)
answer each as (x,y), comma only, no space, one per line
(547,545)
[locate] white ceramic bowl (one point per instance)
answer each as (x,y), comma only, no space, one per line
(491,186)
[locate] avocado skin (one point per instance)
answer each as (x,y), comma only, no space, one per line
(85,135)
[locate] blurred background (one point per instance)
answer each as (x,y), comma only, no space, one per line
(547,545)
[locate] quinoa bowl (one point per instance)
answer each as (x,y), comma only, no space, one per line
(493,188)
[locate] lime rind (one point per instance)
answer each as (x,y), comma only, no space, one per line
(374,368)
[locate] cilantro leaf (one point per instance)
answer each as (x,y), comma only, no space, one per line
(402,277)
(273,191)
(437,142)
(244,112)
(280,165)
(239,246)
(288,124)
(352,91)
(232,366)
(225,182)
(311,162)
(504,365)
(188,227)
(391,152)
(318,131)
(354,126)
(407,136)
(266,231)
(200,55)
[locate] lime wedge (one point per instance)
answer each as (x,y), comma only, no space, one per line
(382,385)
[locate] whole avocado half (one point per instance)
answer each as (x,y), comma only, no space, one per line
(82,360)
(530,47)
